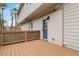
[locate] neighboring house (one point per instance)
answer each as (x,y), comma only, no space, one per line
(58,23)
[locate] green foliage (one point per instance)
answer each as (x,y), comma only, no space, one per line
(1,23)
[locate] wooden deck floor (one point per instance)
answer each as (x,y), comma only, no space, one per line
(36,48)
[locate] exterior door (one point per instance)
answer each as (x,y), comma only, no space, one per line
(45,29)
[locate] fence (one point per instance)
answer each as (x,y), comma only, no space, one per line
(14,36)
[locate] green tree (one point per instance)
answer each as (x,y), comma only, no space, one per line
(2,8)
(13,16)
(1,22)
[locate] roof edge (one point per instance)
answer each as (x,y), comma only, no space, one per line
(20,7)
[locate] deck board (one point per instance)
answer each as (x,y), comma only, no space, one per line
(36,48)
(2,50)
(12,49)
(16,50)
(27,49)
(5,51)
(8,50)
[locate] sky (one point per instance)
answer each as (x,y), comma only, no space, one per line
(7,12)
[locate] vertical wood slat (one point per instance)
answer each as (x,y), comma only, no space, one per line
(19,36)
(33,34)
(13,36)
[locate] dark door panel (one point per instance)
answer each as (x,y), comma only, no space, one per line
(45,29)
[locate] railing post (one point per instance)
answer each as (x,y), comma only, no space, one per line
(1,38)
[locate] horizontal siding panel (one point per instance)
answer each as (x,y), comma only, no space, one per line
(70,6)
(72,47)
(73,8)
(73,38)
(69,17)
(72,13)
(72,20)
(72,42)
(70,37)
(71,25)
(75,44)
(72,34)
(71,31)
(67,5)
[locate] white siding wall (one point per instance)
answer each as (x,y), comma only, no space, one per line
(71,26)
(25,26)
(37,24)
(54,27)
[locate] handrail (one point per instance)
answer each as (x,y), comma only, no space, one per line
(15,36)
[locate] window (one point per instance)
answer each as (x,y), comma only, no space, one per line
(31,25)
